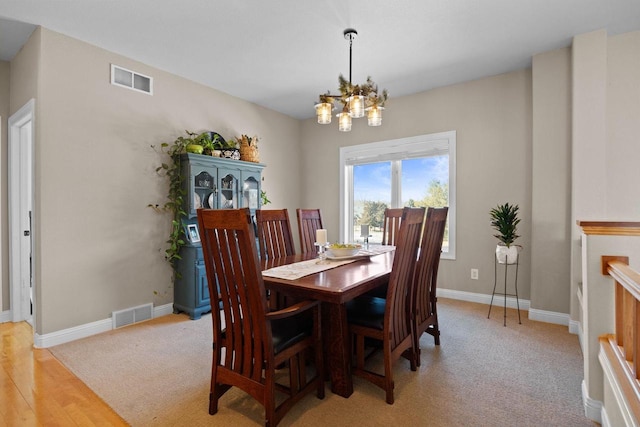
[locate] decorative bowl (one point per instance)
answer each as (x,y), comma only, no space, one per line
(339,250)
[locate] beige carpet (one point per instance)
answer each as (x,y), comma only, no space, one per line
(157,373)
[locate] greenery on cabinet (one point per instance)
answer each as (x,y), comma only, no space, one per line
(504,219)
(263,197)
(205,143)
(175,197)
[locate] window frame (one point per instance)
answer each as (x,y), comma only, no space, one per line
(397,149)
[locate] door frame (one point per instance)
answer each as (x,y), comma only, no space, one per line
(20,295)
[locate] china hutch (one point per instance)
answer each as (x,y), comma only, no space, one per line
(209,183)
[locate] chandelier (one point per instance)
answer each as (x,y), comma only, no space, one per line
(355,99)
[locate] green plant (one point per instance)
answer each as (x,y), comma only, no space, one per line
(175,197)
(504,219)
(263,197)
(228,144)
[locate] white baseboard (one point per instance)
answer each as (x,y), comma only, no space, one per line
(5,316)
(549,316)
(498,300)
(592,407)
(86,330)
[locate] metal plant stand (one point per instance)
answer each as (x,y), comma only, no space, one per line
(505,294)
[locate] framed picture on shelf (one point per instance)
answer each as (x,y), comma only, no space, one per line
(192,233)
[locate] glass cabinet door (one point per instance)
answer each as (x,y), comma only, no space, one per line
(228,191)
(250,193)
(204,190)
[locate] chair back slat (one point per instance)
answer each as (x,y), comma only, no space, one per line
(274,233)
(391,225)
(399,298)
(426,275)
(230,257)
(309,220)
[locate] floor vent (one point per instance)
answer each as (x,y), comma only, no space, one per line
(132,315)
(131,80)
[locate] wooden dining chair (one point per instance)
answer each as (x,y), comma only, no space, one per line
(249,341)
(387,320)
(274,233)
(391,225)
(425,313)
(275,240)
(309,220)
(390,229)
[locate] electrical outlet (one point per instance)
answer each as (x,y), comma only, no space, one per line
(474,273)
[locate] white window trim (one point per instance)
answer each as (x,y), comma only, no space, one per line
(411,147)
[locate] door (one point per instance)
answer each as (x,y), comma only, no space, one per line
(21,137)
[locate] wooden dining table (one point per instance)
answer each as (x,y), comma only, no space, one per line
(334,287)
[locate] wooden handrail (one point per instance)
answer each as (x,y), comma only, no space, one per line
(623,348)
(610,228)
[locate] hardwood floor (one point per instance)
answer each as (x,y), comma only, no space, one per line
(37,390)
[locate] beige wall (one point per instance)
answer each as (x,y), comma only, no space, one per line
(623,127)
(4,253)
(99,248)
(492,117)
(551,192)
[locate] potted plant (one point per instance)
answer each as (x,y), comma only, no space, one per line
(504,219)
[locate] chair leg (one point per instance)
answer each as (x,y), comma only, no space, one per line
(270,405)
(388,377)
(217,390)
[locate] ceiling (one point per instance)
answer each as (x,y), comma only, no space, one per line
(283,54)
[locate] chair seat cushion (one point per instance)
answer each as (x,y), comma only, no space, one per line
(367,311)
(287,332)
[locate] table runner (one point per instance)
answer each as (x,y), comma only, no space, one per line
(303,268)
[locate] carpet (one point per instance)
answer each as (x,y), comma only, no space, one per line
(157,373)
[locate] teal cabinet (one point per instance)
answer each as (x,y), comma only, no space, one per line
(209,183)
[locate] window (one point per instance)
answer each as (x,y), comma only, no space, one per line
(415,171)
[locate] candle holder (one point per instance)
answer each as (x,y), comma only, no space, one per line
(322,255)
(364,232)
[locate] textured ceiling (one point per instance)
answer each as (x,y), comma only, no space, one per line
(283,54)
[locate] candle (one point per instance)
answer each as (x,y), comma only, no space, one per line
(364,230)
(321,236)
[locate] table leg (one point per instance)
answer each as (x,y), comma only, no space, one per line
(336,348)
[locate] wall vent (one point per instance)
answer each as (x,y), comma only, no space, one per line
(131,80)
(132,315)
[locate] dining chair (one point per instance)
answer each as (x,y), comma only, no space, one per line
(391,225)
(387,320)
(309,220)
(275,240)
(424,313)
(390,228)
(274,233)
(249,340)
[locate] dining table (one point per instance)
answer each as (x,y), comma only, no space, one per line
(334,282)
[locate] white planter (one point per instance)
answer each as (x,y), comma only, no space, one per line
(507,255)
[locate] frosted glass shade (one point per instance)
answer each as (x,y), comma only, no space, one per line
(356,106)
(374,116)
(344,122)
(323,111)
